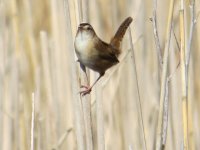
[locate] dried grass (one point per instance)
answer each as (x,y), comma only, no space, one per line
(37,56)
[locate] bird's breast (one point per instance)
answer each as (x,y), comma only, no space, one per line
(82,46)
(85,50)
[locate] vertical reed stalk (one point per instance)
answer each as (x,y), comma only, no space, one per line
(193,22)
(86,101)
(75,89)
(32,122)
(184,97)
(138,93)
(156,37)
(100,121)
(159,138)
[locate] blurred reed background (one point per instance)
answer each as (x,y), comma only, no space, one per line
(40,107)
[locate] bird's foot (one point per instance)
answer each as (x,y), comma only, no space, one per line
(87,90)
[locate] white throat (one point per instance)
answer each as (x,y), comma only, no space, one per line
(83,40)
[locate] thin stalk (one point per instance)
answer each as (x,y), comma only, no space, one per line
(165,114)
(62,139)
(76,100)
(100,121)
(184,97)
(156,37)
(159,139)
(193,22)
(86,101)
(138,92)
(32,121)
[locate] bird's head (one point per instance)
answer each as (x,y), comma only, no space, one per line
(86,31)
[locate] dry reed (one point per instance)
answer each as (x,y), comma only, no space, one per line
(37,56)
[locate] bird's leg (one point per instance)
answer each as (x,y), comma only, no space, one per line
(84,70)
(85,86)
(89,89)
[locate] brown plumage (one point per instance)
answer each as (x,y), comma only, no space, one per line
(117,39)
(96,54)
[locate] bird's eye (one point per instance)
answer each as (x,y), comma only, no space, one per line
(88,28)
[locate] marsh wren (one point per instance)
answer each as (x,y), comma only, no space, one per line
(96,54)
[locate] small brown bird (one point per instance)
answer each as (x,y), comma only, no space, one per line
(94,53)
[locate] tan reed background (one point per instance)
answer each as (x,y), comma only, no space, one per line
(40,107)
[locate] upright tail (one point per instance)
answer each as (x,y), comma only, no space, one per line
(116,40)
